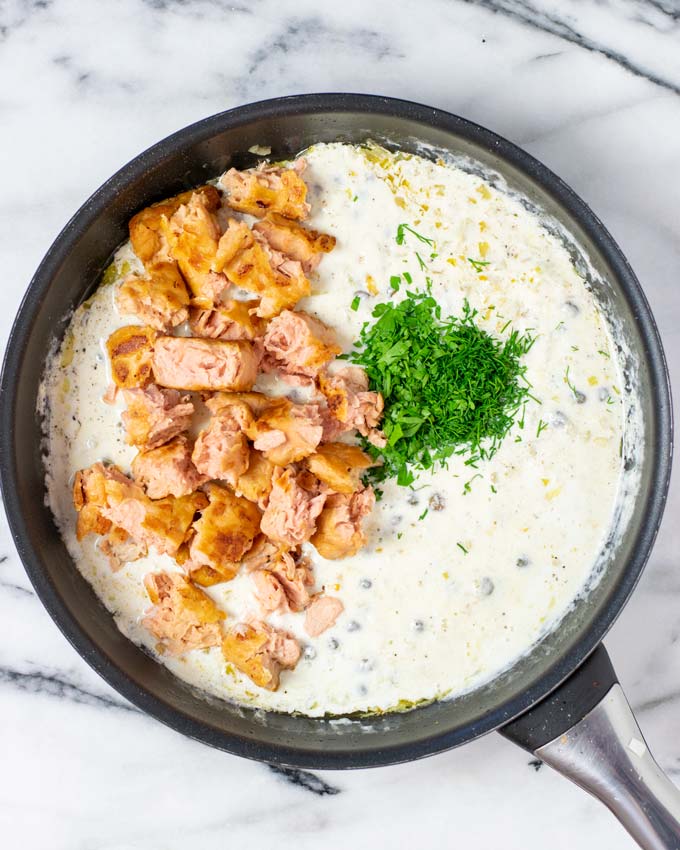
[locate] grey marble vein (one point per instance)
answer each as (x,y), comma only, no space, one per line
(55,685)
(532,16)
(305,779)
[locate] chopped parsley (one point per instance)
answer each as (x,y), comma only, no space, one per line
(355,303)
(478,265)
(450,388)
(395,282)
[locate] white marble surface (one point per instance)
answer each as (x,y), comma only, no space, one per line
(590,87)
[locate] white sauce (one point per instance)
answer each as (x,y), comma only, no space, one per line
(423,618)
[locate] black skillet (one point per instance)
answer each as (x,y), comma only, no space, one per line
(561,701)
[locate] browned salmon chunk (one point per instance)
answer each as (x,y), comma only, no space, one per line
(286,432)
(183,617)
(160,299)
(224,533)
(228,320)
(338,529)
(351,405)
(186,363)
(299,344)
(339,466)
(268,189)
(146,228)
(155,415)
(261,652)
(249,263)
(167,470)
(130,351)
(295,241)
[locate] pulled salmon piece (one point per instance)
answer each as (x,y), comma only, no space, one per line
(224,533)
(255,484)
(291,513)
(268,188)
(228,320)
(283,586)
(221,449)
(183,617)
(167,470)
(261,652)
(322,614)
(351,405)
(193,234)
(89,499)
(154,415)
(147,227)
(295,241)
(338,529)
(160,299)
(162,524)
(339,466)
(186,363)
(249,263)
(299,344)
(130,351)
(286,432)
(262,553)
(121,549)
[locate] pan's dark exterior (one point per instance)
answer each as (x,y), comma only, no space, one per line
(70,271)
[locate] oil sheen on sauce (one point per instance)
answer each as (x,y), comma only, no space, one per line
(464,571)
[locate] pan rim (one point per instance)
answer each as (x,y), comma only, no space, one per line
(295,105)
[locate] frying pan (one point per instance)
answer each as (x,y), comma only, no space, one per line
(561,701)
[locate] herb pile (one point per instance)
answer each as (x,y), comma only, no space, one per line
(450,388)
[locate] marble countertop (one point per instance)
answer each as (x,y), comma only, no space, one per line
(592,88)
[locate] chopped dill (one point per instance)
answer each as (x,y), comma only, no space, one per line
(450,388)
(468,484)
(424,514)
(460,546)
(541,427)
(603,353)
(478,265)
(405,228)
(421,262)
(569,383)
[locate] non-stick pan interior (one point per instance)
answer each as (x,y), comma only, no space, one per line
(71,270)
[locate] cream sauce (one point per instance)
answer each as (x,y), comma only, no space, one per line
(439,601)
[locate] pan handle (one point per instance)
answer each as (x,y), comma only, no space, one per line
(586,730)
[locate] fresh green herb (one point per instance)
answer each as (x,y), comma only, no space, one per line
(559,325)
(405,228)
(355,198)
(400,534)
(493,489)
(449,386)
(408,278)
(541,427)
(433,256)
(569,383)
(468,484)
(355,303)
(478,265)
(520,421)
(421,262)
(574,348)
(603,353)
(518,439)
(395,282)
(424,514)
(460,546)
(610,400)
